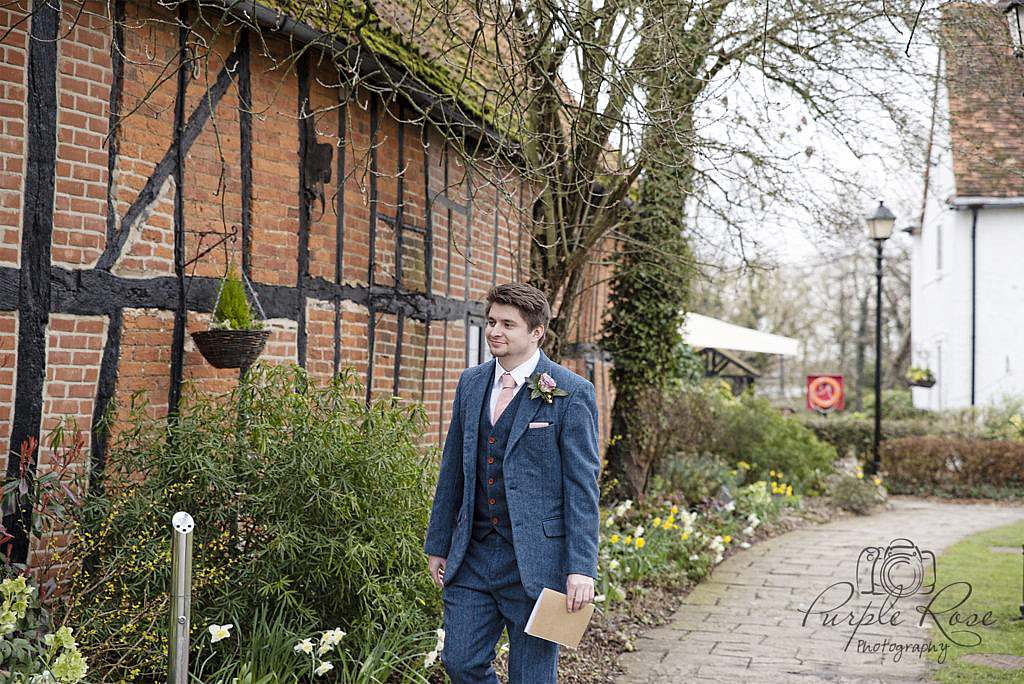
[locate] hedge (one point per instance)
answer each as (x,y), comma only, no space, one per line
(961,467)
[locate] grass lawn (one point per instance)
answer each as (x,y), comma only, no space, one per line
(995,579)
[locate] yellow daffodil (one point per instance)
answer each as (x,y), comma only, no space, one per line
(628,540)
(727,538)
(684,536)
(860,475)
(674,509)
(772,473)
(878,482)
(743,465)
(789,490)
(657,522)
(614,539)
(640,541)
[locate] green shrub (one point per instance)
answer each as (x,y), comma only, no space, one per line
(897,404)
(852,434)
(696,478)
(304,498)
(857,494)
(749,429)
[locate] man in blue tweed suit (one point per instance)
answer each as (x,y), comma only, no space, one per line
(516,507)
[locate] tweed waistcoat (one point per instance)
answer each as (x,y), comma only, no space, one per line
(490,508)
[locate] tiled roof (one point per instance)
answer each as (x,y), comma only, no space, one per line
(985,82)
(430,38)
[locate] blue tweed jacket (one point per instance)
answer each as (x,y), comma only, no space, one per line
(550,480)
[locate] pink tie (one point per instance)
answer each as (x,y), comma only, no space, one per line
(508,387)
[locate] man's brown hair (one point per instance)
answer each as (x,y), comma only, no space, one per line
(532,304)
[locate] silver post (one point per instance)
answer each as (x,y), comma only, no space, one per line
(181,597)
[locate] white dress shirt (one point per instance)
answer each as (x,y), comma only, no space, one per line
(520,373)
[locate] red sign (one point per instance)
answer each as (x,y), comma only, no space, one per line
(825,393)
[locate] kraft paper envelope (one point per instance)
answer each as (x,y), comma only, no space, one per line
(551,620)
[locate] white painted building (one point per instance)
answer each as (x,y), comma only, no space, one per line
(967,269)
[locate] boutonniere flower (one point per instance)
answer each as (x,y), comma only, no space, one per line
(543,385)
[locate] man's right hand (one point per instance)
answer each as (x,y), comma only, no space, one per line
(436,565)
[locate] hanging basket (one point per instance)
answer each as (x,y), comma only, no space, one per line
(230,348)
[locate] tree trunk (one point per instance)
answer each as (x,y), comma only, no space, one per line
(862,333)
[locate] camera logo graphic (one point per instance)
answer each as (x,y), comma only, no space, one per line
(900,569)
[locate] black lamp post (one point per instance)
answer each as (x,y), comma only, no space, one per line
(880,224)
(1014,9)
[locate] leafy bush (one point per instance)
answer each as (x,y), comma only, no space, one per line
(29,654)
(852,434)
(697,478)
(750,429)
(303,497)
(958,467)
(855,493)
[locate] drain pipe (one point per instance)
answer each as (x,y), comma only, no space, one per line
(974,299)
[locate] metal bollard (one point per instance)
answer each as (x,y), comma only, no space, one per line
(181,597)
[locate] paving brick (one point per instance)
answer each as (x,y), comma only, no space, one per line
(744,621)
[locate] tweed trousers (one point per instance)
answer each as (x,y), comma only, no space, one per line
(486,596)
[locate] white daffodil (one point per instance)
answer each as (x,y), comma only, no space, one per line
(323,668)
(304,646)
(639,532)
(610,522)
(430,659)
(599,598)
(694,557)
(440,640)
(218,632)
(613,565)
(332,637)
(753,519)
(731,506)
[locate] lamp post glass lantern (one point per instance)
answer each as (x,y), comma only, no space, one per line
(879,225)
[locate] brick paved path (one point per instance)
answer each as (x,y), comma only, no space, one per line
(743,623)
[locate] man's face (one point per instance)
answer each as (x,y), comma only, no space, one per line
(507,334)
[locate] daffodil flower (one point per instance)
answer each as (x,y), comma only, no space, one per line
(304,646)
(218,632)
(323,668)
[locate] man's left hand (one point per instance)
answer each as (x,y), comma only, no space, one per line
(579,590)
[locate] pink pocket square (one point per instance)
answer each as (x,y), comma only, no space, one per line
(538,425)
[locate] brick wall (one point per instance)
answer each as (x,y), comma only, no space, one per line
(475,235)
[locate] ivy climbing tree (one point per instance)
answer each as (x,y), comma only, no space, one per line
(649,293)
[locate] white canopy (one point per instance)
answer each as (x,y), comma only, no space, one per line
(703,331)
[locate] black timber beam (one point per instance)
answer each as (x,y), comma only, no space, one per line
(33,279)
